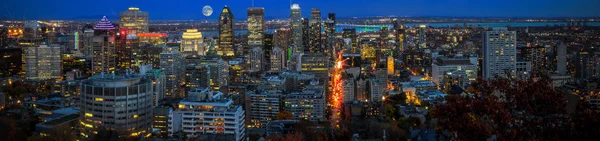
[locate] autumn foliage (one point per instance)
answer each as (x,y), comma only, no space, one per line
(511,109)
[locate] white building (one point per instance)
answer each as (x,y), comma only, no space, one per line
(43,62)
(499,52)
(207,116)
(462,69)
(376,89)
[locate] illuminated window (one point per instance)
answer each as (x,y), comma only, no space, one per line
(89,115)
(99,99)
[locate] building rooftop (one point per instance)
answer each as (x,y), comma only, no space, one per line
(104,24)
(445,61)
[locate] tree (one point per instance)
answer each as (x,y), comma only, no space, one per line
(295,136)
(390,110)
(284,115)
(511,109)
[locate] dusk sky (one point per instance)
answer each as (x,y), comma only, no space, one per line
(192,9)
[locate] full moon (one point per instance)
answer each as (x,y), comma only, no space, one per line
(207,10)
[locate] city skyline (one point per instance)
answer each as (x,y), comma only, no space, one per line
(192,10)
(310,70)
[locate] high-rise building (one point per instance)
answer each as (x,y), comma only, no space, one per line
(278,59)
(207,115)
(219,72)
(226,32)
(196,76)
(87,48)
(315,31)
(399,31)
(122,103)
(13,58)
(283,38)
(256,59)
(561,64)
(458,71)
(264,106)
(586,63)
(267,51)
(160,121)
(192,43)
(315,63)
(159,81)
(308,104)
(350,33)
(306,34)
(499,53)
(43,62)
(103,47)
(127,44)
(172,64)
(134,21)
(421,40)
(296,26)
(376,89)
(256,23)
(329,26)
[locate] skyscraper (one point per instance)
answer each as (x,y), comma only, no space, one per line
(196,76)
(172,64)
(122,103)
(561,63)
(296,25)
(421,38)
(217,68)
(306,35)
(103,45)
(282,38)
(256,59)
(43,62)
(399,31)
(315,31)
(134,21)
(329,25)
(267,50)
(278,59)
(226,32)
(499,52)
(350,33)
(192,43)
(256,27)
(127,43)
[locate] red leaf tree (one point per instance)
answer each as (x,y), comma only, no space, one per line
(510,109)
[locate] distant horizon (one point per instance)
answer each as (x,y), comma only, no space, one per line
(274,9)
(115,18)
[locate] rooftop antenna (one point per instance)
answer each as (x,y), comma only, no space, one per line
(252,3)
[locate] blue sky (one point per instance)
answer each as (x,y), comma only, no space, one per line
(192,9)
